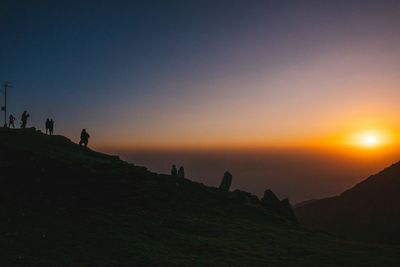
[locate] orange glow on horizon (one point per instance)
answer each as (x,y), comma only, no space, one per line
(352,132)
(371,139)
(354,141)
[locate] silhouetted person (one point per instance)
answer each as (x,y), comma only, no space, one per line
(47,126)
(24,119)
(181,172)
(11,120)
(51,126)
(84,138)
(174,172)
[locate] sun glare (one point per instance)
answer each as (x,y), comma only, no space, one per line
(370,139)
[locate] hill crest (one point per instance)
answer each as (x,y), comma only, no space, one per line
(370,210)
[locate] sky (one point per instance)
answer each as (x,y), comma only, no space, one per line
(203,73)
(207,75)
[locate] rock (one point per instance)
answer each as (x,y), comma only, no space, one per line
(226,182)
(283,208)
(287,210)
(270,201)
(246,197)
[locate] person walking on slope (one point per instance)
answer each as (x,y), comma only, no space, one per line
(24,119)
(84,139)
(11,120)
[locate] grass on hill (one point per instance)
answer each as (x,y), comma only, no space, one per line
(64,206)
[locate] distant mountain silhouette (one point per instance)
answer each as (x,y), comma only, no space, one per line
(368,211)
(62,205)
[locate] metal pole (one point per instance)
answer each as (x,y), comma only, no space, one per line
(7,84)
(5,105)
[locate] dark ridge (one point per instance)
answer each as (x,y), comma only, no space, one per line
(62,205)
(369,211)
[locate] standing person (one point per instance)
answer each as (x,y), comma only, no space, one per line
(24,119)
(181,172)
(51,126)
(174,172)
(11,120)
(84,138)
(47,126)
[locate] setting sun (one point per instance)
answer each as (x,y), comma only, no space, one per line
(370,141)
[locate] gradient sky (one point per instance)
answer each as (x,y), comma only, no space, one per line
(204,73)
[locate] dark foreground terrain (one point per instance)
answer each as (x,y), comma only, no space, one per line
(63,206)
(370,211)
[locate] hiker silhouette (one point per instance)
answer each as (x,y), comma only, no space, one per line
(174,172)
(181,172)
(11,120)
(84,139)
(24,119)
(47,126)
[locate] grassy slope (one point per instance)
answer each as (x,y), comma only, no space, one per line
(62,206)
(369,211)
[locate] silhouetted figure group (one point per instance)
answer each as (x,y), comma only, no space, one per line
(178,173)
(24,119)
(49,126)
(84,139)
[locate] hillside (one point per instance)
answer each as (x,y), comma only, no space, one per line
(369,211)
(64,206)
